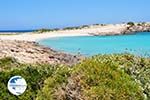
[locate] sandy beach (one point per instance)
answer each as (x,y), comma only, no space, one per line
(36,36)
(24,48)
(101,30)
(109,29)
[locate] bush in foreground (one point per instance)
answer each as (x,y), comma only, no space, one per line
(107,77)
(34,76)
(93,79)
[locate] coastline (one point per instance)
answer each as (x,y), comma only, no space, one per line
(109,29)
(36,36)
(33,53)
(23,49)
(30,50)
(91,30)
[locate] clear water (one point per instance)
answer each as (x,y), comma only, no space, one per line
(15,31)
(91,45)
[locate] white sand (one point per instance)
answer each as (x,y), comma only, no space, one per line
(100,30)
(36,36)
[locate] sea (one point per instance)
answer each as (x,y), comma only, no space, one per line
(15,31)
(138,43)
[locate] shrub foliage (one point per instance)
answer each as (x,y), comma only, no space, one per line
(106,77)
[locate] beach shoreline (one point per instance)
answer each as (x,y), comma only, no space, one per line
(91,30)
(37,36)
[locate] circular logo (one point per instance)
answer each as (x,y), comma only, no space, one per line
(17,85)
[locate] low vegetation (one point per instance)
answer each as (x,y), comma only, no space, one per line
(131,23)
(104,77)
(46,30)
(56,29)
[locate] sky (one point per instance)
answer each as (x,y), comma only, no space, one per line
(35,14)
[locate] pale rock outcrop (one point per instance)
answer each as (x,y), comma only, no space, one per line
(32,52)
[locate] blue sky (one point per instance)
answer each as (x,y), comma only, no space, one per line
(33,14)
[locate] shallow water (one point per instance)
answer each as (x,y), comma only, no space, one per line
(138,43)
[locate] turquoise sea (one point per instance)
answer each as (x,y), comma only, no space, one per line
(138,43)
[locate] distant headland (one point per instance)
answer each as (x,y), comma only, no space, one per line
(104,29)
(85,30)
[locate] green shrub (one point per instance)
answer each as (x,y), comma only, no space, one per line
(46,30)
(105,81)
(137,67)
(34,77)
(8,63)
(53,83)
(99,77)
(107,77)
(131,23)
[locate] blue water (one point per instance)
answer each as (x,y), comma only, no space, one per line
(16,31)
(138,43)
